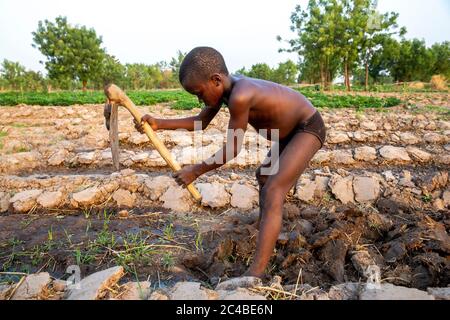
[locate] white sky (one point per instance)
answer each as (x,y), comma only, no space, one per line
(244,31)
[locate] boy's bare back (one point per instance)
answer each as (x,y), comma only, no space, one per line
(270,105)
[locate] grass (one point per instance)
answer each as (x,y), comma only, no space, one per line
(182,100)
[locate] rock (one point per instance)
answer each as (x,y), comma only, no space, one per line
(345,291)
(343,157)
(140,157)
(440,293)
(191,291)
(243,196)
(418,155)
(361,260)
(182,139)
(87,197)
(156,295)
(368,125)
(124,198)
(433,137)
(365,154)
(177,198)
(50,199)
(123,214)
(394,153)
(406,180)
(434,181)
(314,294)
(335,137)
(239,294)
(4,201)
(342,188)
(367,189)
(321,156)
(408,138)
(24,201)
(93,287)
(32,287)
(241,282)
(5,291)
(396,252)
(158,185)
(213,194)
(389,176)
(58,157)
(138,138)
(135,291)
(305,189)
(86,157)
(321,184)
(59,285)
(388,291)
(438,204)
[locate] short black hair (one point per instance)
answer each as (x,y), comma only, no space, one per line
(200,64)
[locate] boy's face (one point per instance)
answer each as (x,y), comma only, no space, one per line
(209,92)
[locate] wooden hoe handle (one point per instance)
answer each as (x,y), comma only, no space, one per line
(116,96)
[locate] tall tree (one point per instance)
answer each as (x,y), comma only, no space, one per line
(13,73)
(71,51)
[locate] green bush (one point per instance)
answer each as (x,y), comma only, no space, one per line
(179,99)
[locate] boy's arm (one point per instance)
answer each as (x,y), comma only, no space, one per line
(239,112)
(205,116)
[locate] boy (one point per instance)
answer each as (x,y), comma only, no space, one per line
(263,105)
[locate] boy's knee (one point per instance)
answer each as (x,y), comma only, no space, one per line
(273,193)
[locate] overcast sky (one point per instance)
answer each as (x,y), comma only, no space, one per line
(244,31)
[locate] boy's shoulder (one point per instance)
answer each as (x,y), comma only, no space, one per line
(242,92)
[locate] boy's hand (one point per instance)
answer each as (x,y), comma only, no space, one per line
(146,118)
(186,175)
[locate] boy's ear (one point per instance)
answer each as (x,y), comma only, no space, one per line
(216,79)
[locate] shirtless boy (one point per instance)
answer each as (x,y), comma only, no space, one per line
(263,105)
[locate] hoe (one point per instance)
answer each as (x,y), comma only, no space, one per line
(115,97)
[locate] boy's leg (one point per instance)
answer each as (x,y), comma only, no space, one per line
(262,178)
(293,161)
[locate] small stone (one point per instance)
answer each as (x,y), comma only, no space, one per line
(86,157)
(24,201)
(418,155)
(58,157)
(408,138)
(343,157)
(124,198)
(367,189)
(305,189)
(32,287)
(158,185)
(440,293)
(50,199)
(123,214)
(446,198)
(321,156)
(433,137)
(396,252)
(345,291)
(365,154)
(241,282)
(394,153)
(406,180)
(188,291)
(93,287)
(368,125)
(177,198)
(87,196)
(389,176)
(335,137)
(138,138)
(156,295)
(239,294)
(213,194)
(388,291)
(135,291)
(243,196)
(342,188)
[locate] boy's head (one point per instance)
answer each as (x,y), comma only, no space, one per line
(202,73)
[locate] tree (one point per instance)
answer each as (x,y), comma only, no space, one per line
(112,71)
(441,58)
(286,73)
(14,74)
(175,64)
(71,52)
(260,71)
(317,35)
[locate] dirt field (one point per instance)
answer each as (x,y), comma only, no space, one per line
(378,193)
